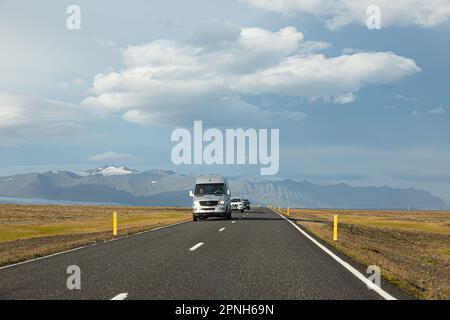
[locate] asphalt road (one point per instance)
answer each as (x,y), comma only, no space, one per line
(257,255)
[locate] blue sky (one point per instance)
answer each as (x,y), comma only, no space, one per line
(365,107)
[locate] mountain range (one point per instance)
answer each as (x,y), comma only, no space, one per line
(117,184)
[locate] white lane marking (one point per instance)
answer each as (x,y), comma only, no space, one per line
(92,245)
(233,221)
(198,245)
(120,296)
(346,265)
(220,230)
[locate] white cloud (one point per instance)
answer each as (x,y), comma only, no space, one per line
(345,98)
(111,156)
(349,50)
(435,111)
(166,82)
(317,75)
(340,13)
(438,110)
(410,99)
(24,117)
(428,108)
(309,47)
(77,82)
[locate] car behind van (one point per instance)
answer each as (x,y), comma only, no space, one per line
(237,204)
(211,198)
(246,203)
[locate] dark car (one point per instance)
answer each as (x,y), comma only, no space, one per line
(246,204)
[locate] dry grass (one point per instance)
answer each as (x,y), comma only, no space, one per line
(411,248)
(28,231)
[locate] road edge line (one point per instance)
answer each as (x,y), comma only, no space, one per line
(346,265)
(91,245)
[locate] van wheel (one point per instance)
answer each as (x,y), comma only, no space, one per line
(194,218)
(242,211)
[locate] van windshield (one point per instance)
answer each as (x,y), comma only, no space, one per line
(210,188)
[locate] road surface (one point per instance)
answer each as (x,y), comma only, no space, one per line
(257,255)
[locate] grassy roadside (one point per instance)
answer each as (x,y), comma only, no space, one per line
(411,248)
(30,231)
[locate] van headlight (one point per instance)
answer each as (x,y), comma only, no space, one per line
(222,202)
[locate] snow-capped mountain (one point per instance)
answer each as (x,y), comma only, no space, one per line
(110,170)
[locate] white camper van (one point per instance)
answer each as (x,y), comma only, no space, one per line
(211,198)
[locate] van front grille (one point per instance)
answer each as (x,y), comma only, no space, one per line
(209,203)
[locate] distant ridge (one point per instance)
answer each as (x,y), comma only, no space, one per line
(119,184)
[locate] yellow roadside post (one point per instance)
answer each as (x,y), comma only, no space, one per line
(335,228)
(114,223)
(288,211)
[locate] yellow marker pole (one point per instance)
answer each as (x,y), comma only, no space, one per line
(114,223)
(289,211)
(335,228)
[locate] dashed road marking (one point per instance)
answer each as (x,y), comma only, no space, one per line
(220,230)
(198,245)
(120,296)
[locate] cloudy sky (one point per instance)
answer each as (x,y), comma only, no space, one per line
(354,105)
